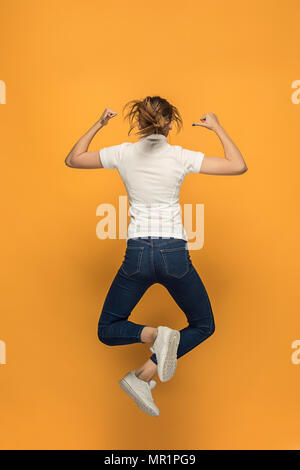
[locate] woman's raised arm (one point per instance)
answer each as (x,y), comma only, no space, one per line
(233,163)
(79,157)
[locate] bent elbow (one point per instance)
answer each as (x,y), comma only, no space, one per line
(68,163)
(244,169)
(241,170)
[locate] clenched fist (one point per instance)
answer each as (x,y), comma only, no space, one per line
(106,116)
(208,120)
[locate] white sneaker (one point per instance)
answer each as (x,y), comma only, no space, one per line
(140,392)
(165,348)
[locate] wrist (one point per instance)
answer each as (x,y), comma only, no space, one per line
(99,124)
(218,129)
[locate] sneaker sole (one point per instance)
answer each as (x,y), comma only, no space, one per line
(135,397)
(168,367)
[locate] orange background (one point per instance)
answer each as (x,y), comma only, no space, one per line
(63,62)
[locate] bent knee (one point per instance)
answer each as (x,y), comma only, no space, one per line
(101,335)
(208,331)
(205,332)
(212,329)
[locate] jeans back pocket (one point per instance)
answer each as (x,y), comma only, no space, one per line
(132,260)
(176,260)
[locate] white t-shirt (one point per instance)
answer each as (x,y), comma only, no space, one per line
(152,171)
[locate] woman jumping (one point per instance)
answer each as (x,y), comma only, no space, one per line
(157,246)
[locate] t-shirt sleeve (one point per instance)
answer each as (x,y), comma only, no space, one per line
(191,160)
(111,156)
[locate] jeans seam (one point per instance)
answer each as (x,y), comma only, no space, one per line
(111,313)
(138,263)
(168,250)
(153,265)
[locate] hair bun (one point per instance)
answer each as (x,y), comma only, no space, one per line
(152,112)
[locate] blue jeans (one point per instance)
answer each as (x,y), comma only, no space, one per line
(148,261)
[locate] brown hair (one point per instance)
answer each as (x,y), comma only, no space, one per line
(153,113)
